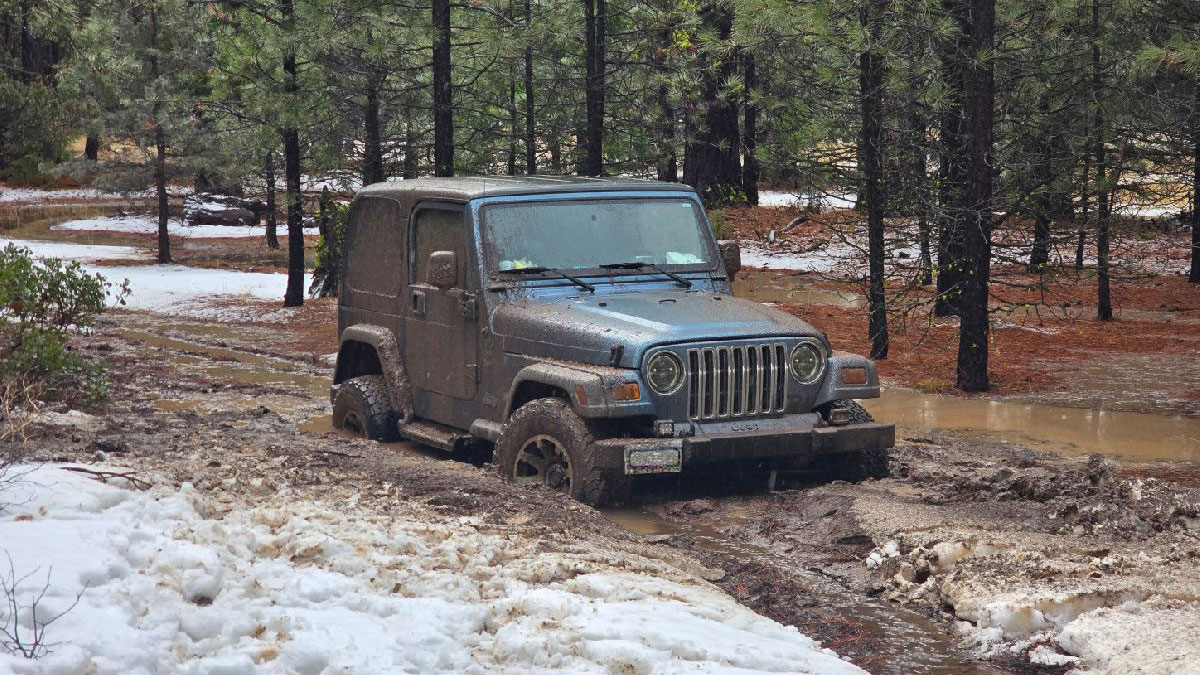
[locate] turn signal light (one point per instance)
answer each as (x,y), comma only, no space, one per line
(625,391)
(854,376)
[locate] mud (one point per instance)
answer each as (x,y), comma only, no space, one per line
(1002,546)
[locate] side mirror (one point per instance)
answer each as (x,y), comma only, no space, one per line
(443,269)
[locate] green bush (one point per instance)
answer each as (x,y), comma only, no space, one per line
(41,304)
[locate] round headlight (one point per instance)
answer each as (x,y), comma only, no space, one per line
(664,372)
(806,362)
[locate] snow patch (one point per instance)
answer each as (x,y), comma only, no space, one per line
(290,586)
(149,225)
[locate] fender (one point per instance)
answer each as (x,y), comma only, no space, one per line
(587,385)
(391,364)
(833,389)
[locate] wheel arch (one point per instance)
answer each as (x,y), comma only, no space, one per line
(374,350)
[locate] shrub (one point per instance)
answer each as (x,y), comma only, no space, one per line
(41,304)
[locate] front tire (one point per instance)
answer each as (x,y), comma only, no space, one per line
(362,407)
(856,466)
(546,443)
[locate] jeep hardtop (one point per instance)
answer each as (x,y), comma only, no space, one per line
(586,331)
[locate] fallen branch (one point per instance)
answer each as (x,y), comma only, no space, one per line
(105,476)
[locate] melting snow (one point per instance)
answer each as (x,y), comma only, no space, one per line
(149,225)
(165,288)
(293,586)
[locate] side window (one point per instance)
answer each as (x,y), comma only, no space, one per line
(375,249)
(438,229)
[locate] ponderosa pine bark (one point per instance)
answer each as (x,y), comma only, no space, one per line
(750,168)
(1039,254)
(595,17)
(272,207)
(1194,271)
(373,171)
(951,165)
(294,296)
(410,162)
(666,161)
(1103,293)
(443,95)
(91,147)
(711,163)
(160,149)
(980,111)
(870,81)
(530,136)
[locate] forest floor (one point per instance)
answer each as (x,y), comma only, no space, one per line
(978,554)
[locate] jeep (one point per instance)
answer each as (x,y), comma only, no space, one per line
(585,331)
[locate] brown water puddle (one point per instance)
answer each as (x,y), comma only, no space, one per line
(1140,437)
(908,643)
(33,221)
(784,288)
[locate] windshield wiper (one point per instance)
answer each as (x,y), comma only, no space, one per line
(641,264)
(543,270)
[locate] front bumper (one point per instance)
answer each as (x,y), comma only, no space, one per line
(775,448)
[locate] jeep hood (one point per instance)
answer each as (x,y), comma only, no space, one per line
(587,328)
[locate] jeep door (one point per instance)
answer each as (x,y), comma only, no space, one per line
(441,341)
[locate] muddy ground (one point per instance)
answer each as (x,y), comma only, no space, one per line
(897,575)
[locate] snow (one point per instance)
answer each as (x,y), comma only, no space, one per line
(170,583)
(165,288)
(784,199)
(842,257)
(149,225)
(15,194)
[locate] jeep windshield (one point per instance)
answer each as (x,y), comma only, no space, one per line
(596,236)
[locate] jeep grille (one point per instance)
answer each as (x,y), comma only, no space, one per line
(736,381)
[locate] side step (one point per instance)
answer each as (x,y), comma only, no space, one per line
(431,433)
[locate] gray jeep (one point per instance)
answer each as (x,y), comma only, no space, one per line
(583,329)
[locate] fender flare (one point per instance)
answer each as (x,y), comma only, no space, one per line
(585,385)
(391,362)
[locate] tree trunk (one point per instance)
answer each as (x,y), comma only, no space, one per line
(443,95)
(870,83)
(980,108)
(667,161)
(294,297)
(952,176)
(272,207)
(373,171)
(160,186)
(919,192)
(710,163)
(513,132)
(750,169)
(1103,294)
(160,152)
(595,16)
(410,163)
(91,148)
(1194,271)
(530,135)
(1085,197)
(1039,254)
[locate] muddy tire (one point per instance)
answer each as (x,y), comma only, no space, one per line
(855,466)
(362,406)
(546,443)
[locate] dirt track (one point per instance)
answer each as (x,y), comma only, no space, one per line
(993,544)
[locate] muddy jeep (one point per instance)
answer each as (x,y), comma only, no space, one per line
(583,329)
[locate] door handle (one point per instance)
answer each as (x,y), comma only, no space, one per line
(418,302)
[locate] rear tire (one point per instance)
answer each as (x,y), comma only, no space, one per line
(547,443)
(362,406)
(855,466)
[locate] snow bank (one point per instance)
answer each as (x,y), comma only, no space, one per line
(170,585)
(149,225)
(783,199)
(166,288)
(81,252)
(847,258)
(15,194)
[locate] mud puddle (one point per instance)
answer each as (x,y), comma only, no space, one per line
(784,288)
(1138,437)
(907,643)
